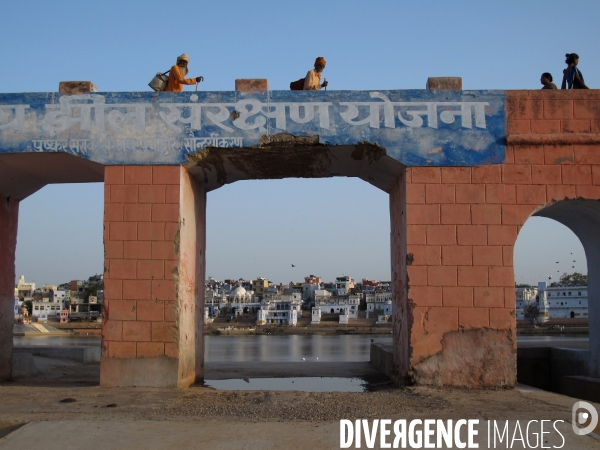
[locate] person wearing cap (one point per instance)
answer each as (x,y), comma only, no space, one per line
(312,82)
(177,75)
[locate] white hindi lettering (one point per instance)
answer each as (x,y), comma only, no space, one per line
(91,110)
(17,122)
(76,146)
(192,145)
(78,109)
(448,113)
(253,114)
(308,113)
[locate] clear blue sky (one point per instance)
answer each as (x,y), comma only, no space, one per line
(325,227)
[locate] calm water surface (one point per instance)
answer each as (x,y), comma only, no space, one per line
(304,384)
(349,348)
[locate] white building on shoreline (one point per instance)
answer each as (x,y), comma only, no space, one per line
(526,296)
(379,302)
(280,310)
(562,302)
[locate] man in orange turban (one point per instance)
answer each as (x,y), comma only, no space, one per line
(177,74)
(312,82)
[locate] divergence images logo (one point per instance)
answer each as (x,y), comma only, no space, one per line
(579,418)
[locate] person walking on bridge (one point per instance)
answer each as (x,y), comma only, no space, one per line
(312,82)
(177,75)
(546,80)
(572,79)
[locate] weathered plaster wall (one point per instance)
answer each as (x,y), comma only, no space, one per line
(141,224)
(9,215)
(191,276)
(462,224)
(402,309)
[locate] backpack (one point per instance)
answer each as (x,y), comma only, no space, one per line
(297,85)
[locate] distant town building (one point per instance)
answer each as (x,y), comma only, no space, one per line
(24,291)
(44,310)
(260,286)
(280,309)
(311,284)
(243,302)
(378,302)
(344,305)
(343,285)
(562,302)
(215,300)
(526,298)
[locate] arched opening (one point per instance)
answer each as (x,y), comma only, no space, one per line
(54,222)
(209,171)
(554,252)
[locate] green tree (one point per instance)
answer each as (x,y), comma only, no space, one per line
(93,289)
(573,278)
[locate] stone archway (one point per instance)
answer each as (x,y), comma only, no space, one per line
(287,156)
(582,217)
(179,331)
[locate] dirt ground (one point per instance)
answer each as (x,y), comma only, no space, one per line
(66,391)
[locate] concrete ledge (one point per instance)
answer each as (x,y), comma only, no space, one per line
(585,388)
(159,371)
(22,366)
(533,367)
(76,87)
(81,354)
(252,84)
(382,358)
(547,367)
(444,83)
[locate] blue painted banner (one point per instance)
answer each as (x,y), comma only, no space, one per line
(416,127)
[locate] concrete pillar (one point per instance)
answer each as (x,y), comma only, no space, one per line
(461,280)
(9,214)
(190,280)
(140,332)
(401,307)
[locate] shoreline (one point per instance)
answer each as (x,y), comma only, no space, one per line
(308,330)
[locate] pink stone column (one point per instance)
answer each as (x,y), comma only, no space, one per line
(154,243)
(9,214)
(141,228)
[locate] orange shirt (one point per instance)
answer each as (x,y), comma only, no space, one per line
(176,80)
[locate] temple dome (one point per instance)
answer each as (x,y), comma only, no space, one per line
(238,292)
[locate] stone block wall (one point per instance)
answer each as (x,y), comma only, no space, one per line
(463,222)
(141,227)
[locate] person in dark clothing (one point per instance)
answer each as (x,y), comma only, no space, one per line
(546,80)
(572,76)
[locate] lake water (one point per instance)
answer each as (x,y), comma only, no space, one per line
(304,384)
(348,348)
